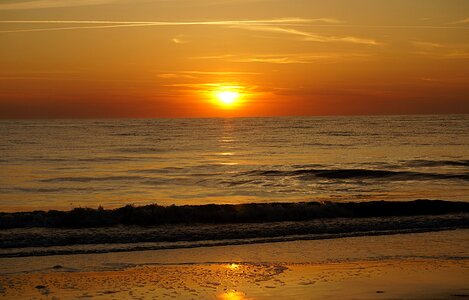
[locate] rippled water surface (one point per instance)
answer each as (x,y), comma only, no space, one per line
(69,163)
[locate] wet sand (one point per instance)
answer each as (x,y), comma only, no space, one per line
(420,266)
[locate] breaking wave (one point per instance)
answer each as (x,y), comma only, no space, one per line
(308,174)
(153,227)
(151,215)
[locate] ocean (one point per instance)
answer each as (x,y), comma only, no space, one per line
(226,171)
(62,164)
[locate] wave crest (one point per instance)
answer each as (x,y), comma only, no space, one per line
(151,215)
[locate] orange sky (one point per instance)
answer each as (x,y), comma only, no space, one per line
(157,58)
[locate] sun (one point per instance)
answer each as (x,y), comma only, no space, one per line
(227,98)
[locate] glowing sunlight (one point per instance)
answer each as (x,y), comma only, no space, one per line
(227,96)
(232,295)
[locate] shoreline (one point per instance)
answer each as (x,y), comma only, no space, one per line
(43,241)
(137,247)
(347,268)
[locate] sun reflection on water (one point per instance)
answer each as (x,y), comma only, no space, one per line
(226,153)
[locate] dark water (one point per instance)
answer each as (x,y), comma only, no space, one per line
(60,164)
(39,241)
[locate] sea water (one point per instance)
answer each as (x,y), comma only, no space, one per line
(62,164)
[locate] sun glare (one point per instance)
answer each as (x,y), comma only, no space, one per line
(232,295)
(227,97)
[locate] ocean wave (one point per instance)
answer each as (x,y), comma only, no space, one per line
(49,189)
(93,178)
(438,163)
(144,150)
(309,174)
(48,241)
(150,246)
(78,160)
(151,215)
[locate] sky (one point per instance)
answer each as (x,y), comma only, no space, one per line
(177,58)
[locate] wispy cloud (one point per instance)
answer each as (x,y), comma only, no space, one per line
(175,76)
(463,21)
(194,74)
(70,28)
(277,26)
(426,45)
(453,54)
(445,80)
(96,24)
(281,21)
(308,36)
(275,60)
(222,56)
(440,51)
(219,73)
(179,40)
(447,54)
(38,4)
(294,58)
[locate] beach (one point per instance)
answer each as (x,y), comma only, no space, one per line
(432,265)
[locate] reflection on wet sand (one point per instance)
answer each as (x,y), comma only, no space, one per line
(202,281)
(348,268)
(392,279)
(233,266)
(232,295)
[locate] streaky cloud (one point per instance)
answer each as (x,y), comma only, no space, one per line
(283,21)
(218,73)
(426,45)
(71,28)
(39,4)
(175,75)
(464,21)
(194,74)
(102,24)
(179,40)
(308,36)
(289,58)
(299,58)
(280,24)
